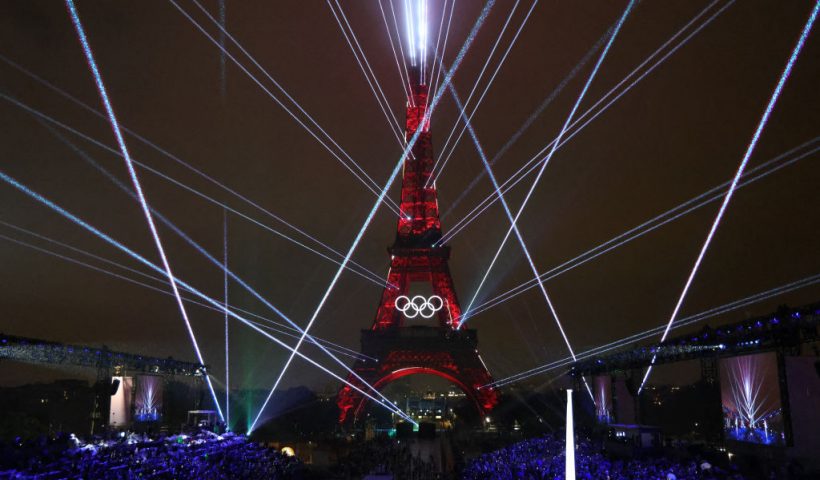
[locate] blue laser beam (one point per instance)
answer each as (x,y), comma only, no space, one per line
(484,92)
(395,54)
(170,155)
(749,150)
(336,348)
(223,65)
(81,153)
(546,161)
(401,49)
(219,306)
(381,98)
(532,164)
(433,70)
(340,349)
(214,261)
(656,222)
(411,37)
(253,60)
(365,273)
(370,184)
(40,115)
(437,80)
(530,120)
(448,78)
(421,11)
(692,319)
(524,249)
(497,42)
(75,18)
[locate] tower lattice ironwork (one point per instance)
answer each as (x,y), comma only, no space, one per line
(401,349)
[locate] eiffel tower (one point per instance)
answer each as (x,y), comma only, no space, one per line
(416,263)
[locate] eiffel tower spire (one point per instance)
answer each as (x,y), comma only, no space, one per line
(419,224)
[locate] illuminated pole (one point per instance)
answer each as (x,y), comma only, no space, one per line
(569,471)
(225,282)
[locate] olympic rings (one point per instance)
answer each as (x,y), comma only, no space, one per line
(418,305)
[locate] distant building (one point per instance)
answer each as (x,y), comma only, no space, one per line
(431,406)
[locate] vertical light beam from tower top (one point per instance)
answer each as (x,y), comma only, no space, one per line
(417,29)
(447,79)
(86,47)
(411,44)
(422,36)
(787,70)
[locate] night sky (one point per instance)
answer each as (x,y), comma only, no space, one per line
(680,131)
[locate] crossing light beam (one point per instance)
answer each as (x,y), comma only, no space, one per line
(217,305)
(764,119)
(448,78)
(98,80)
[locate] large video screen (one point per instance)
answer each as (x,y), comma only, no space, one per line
(148,398)
(750,395)
(120,412)
(602,392)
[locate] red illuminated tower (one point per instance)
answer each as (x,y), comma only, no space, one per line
(420,271)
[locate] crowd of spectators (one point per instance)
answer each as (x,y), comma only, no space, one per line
(130,456)
(543,458)
(386,457)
